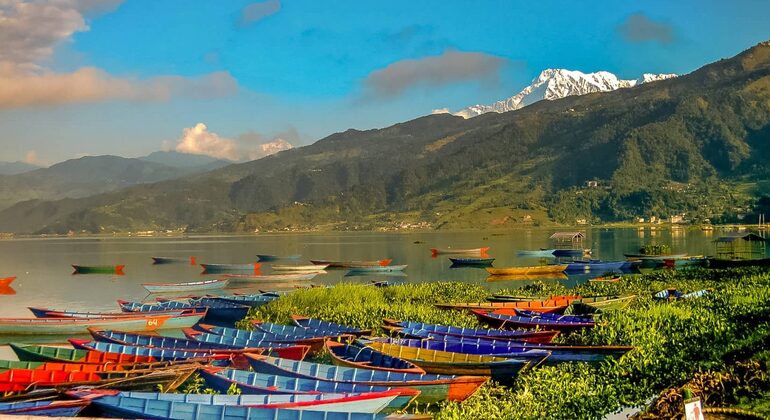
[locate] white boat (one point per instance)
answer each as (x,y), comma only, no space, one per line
(215,284)
(313,268)
(385,269)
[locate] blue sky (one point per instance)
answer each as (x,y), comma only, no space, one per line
(300,70)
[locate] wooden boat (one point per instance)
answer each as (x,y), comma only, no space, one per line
(385,269)
(352,264)
(419,329)
(40,326)
(654,257)
(17,380)
(598,265)
(215,284)
(558,305)
(317,324)
(512,298)
(82,367)
(499,320)
(558,352)
(34,353)
(537,269)
(366,358)
(374,402)
(313,268)
(119,406)
(530,277)
(99,269)
(478,262)
(272,278)
(560,253)
(292,331)
(253,301)
(726,263)
(431,387)
(216,309)
(540,306)
(173,260)
(52,313)
(150,354)
(539,253)
(144,340)
(465,251)
(607,279)
(44,408)
(6,281)
(250,383)
(297,348)
(265,257)
(439,362)
(229,268)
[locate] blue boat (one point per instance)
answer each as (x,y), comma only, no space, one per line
(477,262)
(407,328)
(317,324)
(553,316)
(145,340)
(259,340)
(502,320)
(156,354)
(673,294)
(294,331)
(598,265)
(263,257)
(253,301)
(559,352)
(217,309)
(559,253)
(259,383)
(126,407)
(44,408)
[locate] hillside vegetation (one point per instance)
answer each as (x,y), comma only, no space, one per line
(673,146)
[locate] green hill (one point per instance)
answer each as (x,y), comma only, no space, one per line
(673,146)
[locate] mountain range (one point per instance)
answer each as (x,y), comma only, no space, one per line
(559,83)
(697,144)
(18,167)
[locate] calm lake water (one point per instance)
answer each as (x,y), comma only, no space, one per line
(45,280)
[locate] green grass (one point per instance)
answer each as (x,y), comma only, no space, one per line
(673,341)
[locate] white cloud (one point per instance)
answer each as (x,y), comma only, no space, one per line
(440,111)
(30,31)
(198,140)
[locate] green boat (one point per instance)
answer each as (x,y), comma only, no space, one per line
(16,364)
(33,353)
(99,269)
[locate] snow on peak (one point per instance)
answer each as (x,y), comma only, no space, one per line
(559,83)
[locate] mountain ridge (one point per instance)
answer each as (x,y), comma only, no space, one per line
(655,149)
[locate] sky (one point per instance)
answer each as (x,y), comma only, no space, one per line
(129,77)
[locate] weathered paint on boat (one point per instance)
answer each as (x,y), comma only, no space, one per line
(152,354)
(127,407)
(478,262)
(514,321)
(419,330)
(39,326)
(228,268)
(16,380)
(373,402)
(99,269)
(215,284)
(44,408)
(66,355)
(295,348)
(468,251)
(51,313)
(448,363)
(502,348)
(432,388)
(535,269)
(317,324)
(366,358)
(351,264)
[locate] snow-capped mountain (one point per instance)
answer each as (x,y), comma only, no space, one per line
(559,83)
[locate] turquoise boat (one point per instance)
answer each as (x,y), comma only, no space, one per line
(74,326)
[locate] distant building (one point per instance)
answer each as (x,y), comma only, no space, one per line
(581,221)
(677,218)
(592,184)
(640,220)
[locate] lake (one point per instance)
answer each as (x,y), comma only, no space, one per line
(42,265)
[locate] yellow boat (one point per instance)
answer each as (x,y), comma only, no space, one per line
(537,269)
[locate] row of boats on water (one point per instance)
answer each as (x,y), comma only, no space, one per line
(117,372)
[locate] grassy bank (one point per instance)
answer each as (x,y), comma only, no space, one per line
(674,341)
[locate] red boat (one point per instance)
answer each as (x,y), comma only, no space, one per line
(6,281)
(15,380)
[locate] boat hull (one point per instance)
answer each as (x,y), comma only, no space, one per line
(40,326)
(187,287)
(98,269)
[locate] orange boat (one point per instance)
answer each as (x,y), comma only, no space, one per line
(550,305)
(6,281)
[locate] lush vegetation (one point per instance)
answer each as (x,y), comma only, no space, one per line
(683,145)
(720,339)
